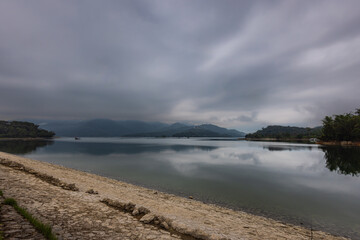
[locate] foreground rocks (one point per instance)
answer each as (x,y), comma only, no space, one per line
(14,226)
(124,211)
(73,215)
(42,176)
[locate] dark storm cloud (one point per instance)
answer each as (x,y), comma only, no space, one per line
(239,64)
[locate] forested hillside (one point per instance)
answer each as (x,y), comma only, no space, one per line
(283,132)
(17,129)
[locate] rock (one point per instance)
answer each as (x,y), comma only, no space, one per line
(143,210)
(106,200)
(71,187)
(147,218)
(135,212)
(180,227)
(200,234)
(129,207)
(114,204)
(165,225)
(191,197)
(91,191)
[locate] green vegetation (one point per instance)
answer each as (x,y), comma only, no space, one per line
(1,233)
(10,201)
(42,228)
(282,132)
(344,127)
(16,129)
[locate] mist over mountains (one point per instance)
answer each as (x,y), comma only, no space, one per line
(132,128)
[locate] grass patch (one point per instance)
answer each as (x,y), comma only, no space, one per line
(44,229)
(1,233)
(10,201)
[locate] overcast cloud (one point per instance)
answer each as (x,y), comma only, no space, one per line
(240,64)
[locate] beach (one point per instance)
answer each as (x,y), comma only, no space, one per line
(80,205)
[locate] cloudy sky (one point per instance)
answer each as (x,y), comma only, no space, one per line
(239,64)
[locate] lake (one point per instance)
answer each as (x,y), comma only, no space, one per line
(303,184)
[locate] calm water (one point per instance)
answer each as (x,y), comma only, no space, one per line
(297,183)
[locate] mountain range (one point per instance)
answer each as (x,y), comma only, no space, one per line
(132,128)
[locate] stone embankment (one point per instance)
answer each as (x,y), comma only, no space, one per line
(14,226)
(81,205)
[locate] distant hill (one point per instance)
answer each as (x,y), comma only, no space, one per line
(182,130)
(98,127)
(18,129)
(222,131)
(167,131)
(283,132)
(111,128)
(198,132)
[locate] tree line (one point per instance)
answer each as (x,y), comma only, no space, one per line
(342,127)
(286,132)
(18,129)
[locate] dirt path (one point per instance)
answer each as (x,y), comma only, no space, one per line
(125,211)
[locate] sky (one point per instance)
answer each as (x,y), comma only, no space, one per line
(237,64)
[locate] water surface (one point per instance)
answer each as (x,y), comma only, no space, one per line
(298,183)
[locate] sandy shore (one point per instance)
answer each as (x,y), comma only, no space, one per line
(58,196)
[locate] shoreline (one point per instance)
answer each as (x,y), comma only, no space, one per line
(279,140)
(168,212)
(339,143)
(307,141)
(28,139)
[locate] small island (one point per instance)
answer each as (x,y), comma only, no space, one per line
(18,129)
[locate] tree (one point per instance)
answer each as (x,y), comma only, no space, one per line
(343,127)
(17,129)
